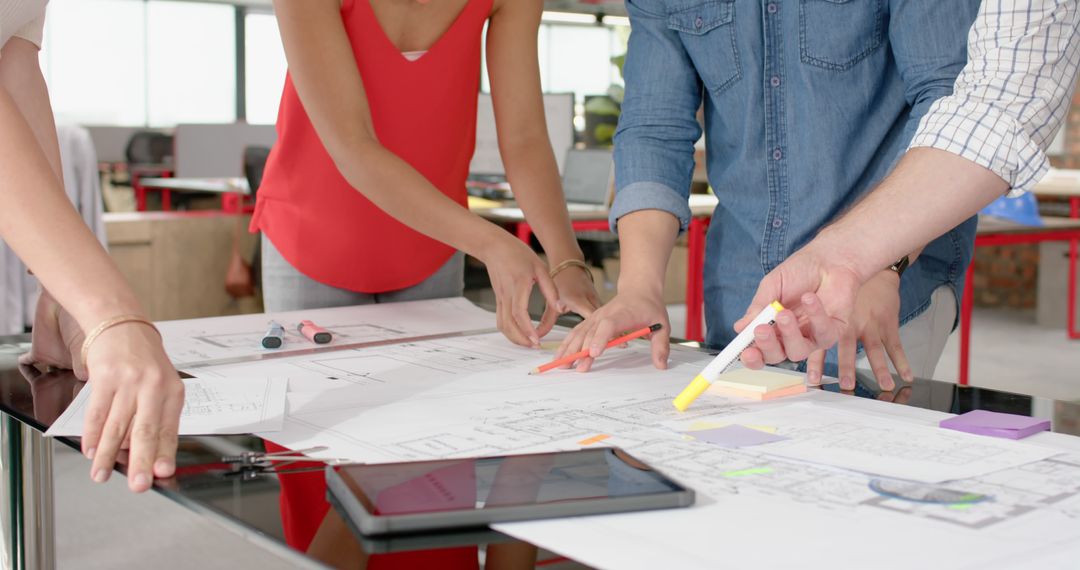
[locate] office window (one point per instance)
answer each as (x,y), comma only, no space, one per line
(191,63)
(265,65)
(582,57)
(575,58)
(94,60)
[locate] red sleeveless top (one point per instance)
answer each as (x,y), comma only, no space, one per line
(423,111)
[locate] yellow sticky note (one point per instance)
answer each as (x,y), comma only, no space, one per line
(550,345)
(594,439)
(761,381)
(703,424)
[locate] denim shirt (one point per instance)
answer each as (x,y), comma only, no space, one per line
(807,105)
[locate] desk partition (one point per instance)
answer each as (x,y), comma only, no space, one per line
(217,151)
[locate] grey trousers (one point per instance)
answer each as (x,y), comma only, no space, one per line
(923,337)
(286,289)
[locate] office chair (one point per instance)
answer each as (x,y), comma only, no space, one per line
(254,165)
(149,154)
(149,148)
(241,278)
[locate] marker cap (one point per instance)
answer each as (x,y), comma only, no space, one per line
(691,393)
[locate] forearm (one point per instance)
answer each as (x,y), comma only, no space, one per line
(646,239)
(40,225)
(514,70)
(928,193)
(403,193)
(20,76)
(534,176)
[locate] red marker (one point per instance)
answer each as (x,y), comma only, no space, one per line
(314,333)
(579,355)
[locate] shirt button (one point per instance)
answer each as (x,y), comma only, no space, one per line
(777,154)
(772,8)
(777,223)
(698,23)
(775,81)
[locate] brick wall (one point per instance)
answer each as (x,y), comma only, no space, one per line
(1005,276)
(1072,135)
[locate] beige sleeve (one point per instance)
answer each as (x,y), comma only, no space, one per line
(33,31)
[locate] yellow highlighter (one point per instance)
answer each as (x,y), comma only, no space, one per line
(727,357)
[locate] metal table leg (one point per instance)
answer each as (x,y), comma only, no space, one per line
(26,494)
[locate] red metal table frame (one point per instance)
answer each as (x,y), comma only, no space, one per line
(231,202)
(1009,238)
(695,265)
(140,190)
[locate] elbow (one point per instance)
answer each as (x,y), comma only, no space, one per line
(353,155)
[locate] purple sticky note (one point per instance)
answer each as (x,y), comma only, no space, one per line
(996,424)
(735,436)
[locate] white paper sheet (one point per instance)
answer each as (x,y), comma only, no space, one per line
(766,533)
(471,396)
(211,407)
(879,446)
(195,341)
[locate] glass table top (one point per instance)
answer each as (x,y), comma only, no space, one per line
(288,504)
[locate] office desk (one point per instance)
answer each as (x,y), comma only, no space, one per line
(596,219)
(232,190)
(221,493)
(140,172)
(991,232)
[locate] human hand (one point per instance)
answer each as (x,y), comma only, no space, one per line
(876,323)
(819,294)
(137,396)
(629,310)
(576,293)
(514,268)
(57,339)
(51,391)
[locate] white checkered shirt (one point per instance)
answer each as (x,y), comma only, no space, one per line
(1013,93)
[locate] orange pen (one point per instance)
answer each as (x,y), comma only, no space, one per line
(582,354)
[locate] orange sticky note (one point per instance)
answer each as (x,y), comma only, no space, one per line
(749,395)
(594,439)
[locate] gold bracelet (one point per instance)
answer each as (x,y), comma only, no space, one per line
(572,263)
(110,323)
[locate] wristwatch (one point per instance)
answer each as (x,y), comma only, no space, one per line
(900,266)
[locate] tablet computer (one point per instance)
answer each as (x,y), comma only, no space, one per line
(424,496)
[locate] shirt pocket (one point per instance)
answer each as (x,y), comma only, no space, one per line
(707,31)
(837,34)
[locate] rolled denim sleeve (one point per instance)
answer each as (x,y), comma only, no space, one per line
(929,39)
(654,143)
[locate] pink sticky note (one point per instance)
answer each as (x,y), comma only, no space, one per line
(735,436)
(996,424)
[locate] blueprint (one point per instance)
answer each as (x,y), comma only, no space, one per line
(237,405)
(468,395)
(196,342)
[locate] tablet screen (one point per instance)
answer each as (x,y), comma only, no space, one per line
(469,484)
